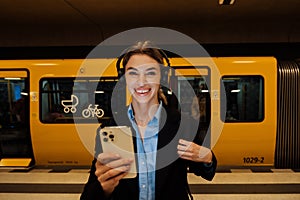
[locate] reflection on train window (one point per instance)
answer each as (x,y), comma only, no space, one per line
(81,100)
(244,98)
(12,101)
(194,98)
(191,86)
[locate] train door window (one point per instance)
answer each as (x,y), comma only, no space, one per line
(81,100)
(15,139)
(192,90)
(244,98)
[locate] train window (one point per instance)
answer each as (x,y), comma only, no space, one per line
(81,100)
(244,98)
(194,101)
(191,87)
(12,100)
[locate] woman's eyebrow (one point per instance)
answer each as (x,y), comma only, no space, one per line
(135,69)
(132,68)
(151,68)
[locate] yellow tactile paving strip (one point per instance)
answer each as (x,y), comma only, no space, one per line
(248,178)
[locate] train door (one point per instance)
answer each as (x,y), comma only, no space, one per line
(15,142)
(191,86)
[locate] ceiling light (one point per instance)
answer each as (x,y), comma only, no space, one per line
(226,2)
(45,64)
(12,78)
(99,92)
(243,61)
(235,91)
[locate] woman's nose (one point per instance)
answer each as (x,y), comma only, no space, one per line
(141,79)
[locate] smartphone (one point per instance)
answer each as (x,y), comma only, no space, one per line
(118,139)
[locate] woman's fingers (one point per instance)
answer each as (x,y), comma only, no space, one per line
(185,142)
(186,157)
(104,158)
(110,169)
(187,146)
(113,173)
(184,153)
(110,184)
(110,165)
(192,151)
(112,160)
(119,162)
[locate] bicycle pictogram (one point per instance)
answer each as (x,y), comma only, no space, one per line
(98,112)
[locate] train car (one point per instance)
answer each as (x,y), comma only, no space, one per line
(247,107)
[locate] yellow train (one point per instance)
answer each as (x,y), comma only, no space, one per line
(49,108)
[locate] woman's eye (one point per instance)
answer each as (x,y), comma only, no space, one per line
(132,73)
(152,73)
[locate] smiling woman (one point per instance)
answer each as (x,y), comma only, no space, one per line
(160,133)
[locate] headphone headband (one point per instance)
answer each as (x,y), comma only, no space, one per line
(121,70)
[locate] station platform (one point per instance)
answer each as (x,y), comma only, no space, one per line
(242,184)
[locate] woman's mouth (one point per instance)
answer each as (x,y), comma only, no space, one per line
(142,92)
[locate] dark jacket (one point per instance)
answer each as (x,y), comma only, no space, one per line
(171,173)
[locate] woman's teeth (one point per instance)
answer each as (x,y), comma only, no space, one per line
(142,91)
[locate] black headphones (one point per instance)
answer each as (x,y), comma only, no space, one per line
(164,69)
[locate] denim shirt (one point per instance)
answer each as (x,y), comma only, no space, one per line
(146,154)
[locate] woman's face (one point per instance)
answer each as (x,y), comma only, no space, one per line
(143,79)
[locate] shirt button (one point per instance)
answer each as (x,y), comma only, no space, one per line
(143,186)
(143,163)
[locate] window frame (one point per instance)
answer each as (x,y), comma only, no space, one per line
(72,120)
(223,108)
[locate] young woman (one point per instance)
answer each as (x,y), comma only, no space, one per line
(164,150)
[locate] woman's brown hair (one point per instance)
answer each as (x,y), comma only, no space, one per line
(145,48)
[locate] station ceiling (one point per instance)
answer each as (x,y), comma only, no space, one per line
(26,23)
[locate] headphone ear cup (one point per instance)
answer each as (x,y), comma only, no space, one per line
(164,76)
(120,70)
(121,73)
(165,70)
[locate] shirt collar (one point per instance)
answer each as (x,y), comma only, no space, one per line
(156,117)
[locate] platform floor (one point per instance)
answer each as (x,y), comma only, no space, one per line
(235,184)
(26,196)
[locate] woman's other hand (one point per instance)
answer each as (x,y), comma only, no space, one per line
(194,152)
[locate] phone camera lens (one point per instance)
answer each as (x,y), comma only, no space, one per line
(111,136)
(104,133)
(105,139)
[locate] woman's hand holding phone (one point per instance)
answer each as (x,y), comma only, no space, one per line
(110,169)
